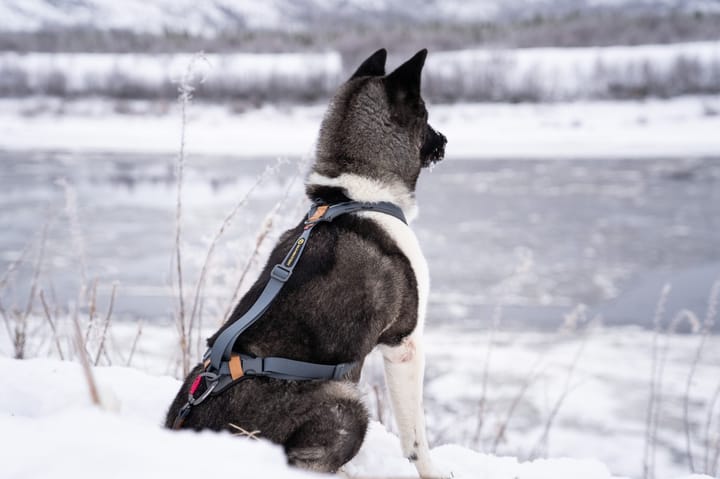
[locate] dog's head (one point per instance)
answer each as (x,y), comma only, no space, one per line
(377,125)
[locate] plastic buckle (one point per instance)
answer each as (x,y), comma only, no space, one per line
(212,380)
(252,365)
(280,273)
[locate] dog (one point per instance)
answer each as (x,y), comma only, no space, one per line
(362,283)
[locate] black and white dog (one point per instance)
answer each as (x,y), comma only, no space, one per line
(361,283)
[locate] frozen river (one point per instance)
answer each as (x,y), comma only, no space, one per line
(538,236)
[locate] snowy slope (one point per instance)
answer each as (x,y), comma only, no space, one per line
(50,429)
(211,16)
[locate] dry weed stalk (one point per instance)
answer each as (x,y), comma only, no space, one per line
(20,333)
(244,432)
(78,242)
(712,449)
(135,343)
(265,228)
(527,382)
(650,413)
(186,87)
(50,321)
(495,324)
(707,326)
(106,325)
(567,387)
(270,170)
(81,348)
(92,309)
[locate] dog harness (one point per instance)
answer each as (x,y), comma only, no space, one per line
(223,368)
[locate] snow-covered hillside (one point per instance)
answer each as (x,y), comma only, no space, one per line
(531,74)
(211,16)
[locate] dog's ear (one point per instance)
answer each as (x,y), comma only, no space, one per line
(404,83)
(374,66)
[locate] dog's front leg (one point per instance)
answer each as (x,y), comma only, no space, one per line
(404,370)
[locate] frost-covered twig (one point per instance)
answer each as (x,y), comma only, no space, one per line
(186,87)
(92,309)
(20,335)
(265,229)
(13,266)
(650,413)
(482,403)
(135,343)
(706,329)
(48,316)
(106,325)
(78,242)
(527,382)
(711,447)
(270,170)
(87,369)
(542,440)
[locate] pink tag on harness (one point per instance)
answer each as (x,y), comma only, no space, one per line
(195,385)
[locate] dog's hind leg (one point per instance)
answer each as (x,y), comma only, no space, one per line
(331,435)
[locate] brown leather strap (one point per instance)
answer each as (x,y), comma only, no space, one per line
(236,370)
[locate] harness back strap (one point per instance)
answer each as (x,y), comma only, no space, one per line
(218,357)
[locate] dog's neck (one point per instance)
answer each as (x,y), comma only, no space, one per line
(360,188)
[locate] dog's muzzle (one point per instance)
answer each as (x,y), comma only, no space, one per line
(433,150)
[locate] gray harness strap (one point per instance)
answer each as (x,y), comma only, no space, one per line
(219,353)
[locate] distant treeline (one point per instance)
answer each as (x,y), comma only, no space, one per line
(495,75)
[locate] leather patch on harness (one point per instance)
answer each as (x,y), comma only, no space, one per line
(319,213)
(236,370)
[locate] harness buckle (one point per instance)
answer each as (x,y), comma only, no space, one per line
(280,273)
(212,382)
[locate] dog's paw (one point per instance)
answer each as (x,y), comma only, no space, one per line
(427,470)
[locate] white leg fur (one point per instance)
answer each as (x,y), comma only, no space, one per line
(404,369)
(404,364)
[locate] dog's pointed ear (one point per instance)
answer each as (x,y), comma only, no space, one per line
(404,82)
(374,66)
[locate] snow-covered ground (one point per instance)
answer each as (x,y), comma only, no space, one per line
(50,427)
(682,127)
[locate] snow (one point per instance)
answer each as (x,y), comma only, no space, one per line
(50,429)
(682,127)
(598,433)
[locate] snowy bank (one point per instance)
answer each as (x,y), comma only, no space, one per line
(50,429)
(682,127)
(598,432)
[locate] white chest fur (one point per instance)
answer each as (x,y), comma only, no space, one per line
(405,239)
